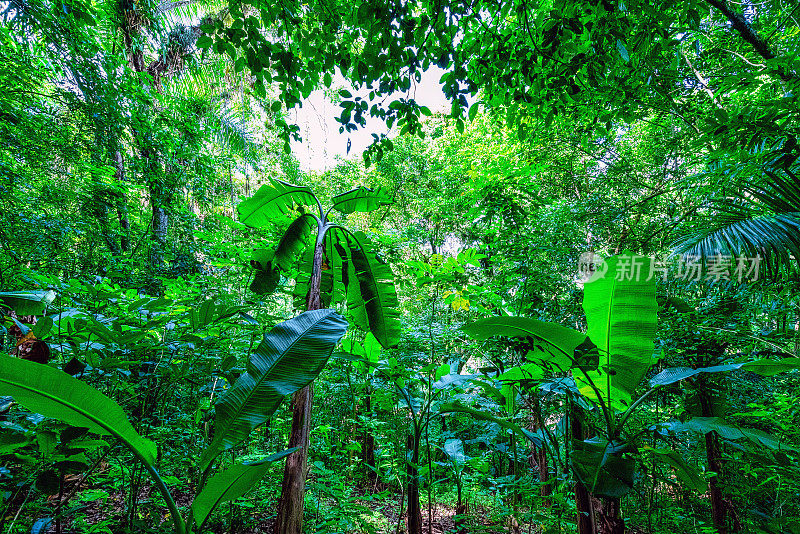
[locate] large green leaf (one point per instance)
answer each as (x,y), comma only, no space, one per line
(53,393)
(272,202)
(621,312)
(266,275)
(450,407)
(362,199)
(603,467)
(296,240)
(685,473)
(27,302)
(763,367)
(704,425)
(231,484)
(557,344)
(375,281)
(291,355)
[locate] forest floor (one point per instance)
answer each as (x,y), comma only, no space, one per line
(108,512)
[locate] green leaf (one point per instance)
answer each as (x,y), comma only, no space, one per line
(763,367)
(704,425)
(623,52)
(685,473)
(376,294)
(557,344)
(621,312)
(527,371)
(454,448)
(231,484)
(291,355)
(27,302)
(272,202)
(203,315)
(53,393)
(603,467)
(362,200)
(297,239)
(450,407)
(267,274)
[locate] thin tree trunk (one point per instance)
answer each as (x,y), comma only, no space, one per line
(369,445)
(122,204)
(583,500)
(609,519)
(293,487)
(160,226)
(717,502)
(414,508)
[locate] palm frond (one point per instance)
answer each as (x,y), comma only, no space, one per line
(759,220)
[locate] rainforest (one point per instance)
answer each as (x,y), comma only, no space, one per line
(399,266)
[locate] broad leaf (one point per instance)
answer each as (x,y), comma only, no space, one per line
(450,407)
(556,343)
(27,302)
(527,371)
(620,306)
(685,473)
(272,202)
(362,199)
(375,281)
(704,425)
(291,355)
(454,448)
(53,393)
(763,367)
(231,484)
(267,275)
(296,240)
(603,467)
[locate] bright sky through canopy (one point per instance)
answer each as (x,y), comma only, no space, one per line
(322,142)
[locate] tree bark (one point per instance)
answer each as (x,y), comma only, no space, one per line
(293,487)
(718,515)
(369,445)
(122,204)
(414,508)
(609,519)
(583,500)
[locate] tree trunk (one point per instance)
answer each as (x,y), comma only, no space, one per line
(718,514)
(538,455)
(609,519)
(369,445)
(122,204)
(583,501)
(160,226)
(414,508)
(293,487)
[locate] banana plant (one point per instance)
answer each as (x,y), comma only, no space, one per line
(328,260)
(288,358)
(608,364)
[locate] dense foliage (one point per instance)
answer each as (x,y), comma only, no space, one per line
(567,303)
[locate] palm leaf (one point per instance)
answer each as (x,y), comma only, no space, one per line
(27,302)
(291,355)
(621,313)
(758,221)
(377,295)
(297,239)
(272,202)
(53,393)
(557,343)
(231,484)
(362,199)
